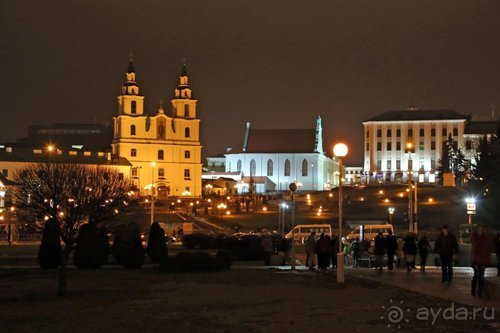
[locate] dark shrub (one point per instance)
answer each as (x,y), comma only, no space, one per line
(157,244)
(50,251)
(197,240)
(224,259)
(247,247)
(196,262)
(86,253)
(92,247)
(127,246)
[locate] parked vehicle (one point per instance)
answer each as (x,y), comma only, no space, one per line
(369,231)
(302,231)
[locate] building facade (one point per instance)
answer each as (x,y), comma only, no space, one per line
(164,151)
(386,158)
(285,156)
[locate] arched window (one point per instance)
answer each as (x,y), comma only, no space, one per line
(379,133)
(133,107)
(398,133)
(187,132)
(367,133)
(161,155)
(410,132)
(422,132)
(304,168)
(186,110)
(443,132)
(238,166)
(455,131)
(389,133)
(161,124)
(253,168)
(433,132)
(269,168)
(132,130)
(287,168)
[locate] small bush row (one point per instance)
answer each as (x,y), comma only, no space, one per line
(197,262)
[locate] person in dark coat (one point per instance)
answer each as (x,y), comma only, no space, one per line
(410,250)
(446,246)
(391,245)
(423,250)
(379,252)
(497,252)
(310,250)
(334,250)
(322,250)
(481,248)
(356,252)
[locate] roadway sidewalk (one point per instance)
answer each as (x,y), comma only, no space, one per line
(428,283)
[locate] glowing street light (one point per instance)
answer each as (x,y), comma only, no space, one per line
(391,213)
(340,151)
(471,207)
(153,165)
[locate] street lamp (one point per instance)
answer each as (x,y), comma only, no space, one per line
(340,151)
(471,208)
(391,212)
(409,149)
(153,164)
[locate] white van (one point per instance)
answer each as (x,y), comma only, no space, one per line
(369,231)
(302,231)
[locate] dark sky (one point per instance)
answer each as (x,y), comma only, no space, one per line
(274,63)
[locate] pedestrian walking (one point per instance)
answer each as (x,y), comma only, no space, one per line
(267,246)
(356,252)
(446,246)
(497,252)
(310,250)
(379,252)
(334,249)
(322,250)
(399,253)
(286,245)
(423,250)
(410,251)
(391,246)
(481,248)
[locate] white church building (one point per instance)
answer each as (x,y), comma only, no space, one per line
(284,156)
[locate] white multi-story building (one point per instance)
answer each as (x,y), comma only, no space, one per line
(386,136)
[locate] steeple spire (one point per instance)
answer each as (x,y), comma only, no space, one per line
(318,144)
(130,86)
(130,64)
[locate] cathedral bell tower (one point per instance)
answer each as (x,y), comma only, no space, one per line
(130,102)
(183,104)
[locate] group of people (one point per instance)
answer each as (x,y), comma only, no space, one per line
(325,248)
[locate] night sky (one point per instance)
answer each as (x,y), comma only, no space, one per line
(275,63)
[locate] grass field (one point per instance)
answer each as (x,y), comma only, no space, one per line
(119,300)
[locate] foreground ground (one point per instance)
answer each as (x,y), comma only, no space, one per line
(245,300)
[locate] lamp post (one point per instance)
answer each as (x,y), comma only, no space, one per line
(391,212)
(293,188)
(471,208)
(153,164)
(340,151)
(409,150)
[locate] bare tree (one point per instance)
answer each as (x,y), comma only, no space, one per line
(71,195)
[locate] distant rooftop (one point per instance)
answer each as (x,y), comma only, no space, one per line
(279,141)
(482,127)
(414,114)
